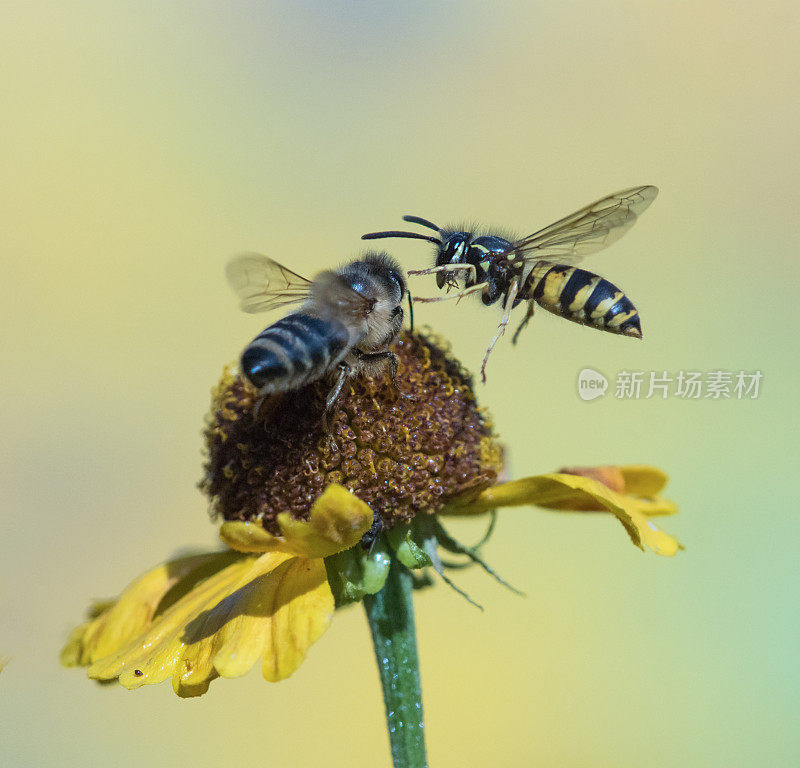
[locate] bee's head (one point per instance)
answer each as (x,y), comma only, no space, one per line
(378,277)
(386,273)
(453,250)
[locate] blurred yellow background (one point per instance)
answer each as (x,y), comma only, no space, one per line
(143,144)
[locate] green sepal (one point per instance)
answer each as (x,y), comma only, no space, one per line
(409,551)
(357,572)
(375,566)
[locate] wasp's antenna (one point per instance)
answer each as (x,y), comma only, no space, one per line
(410,312)
(414,235)
(424,222)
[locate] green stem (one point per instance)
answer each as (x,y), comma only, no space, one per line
(390,614)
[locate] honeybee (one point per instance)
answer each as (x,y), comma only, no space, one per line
(539,268)
(348,319)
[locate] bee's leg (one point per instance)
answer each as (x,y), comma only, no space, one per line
(525,321)
(265,406)
(460,295)
(258,410)
(389,359)
(333,396)
(393,362)
(501,329)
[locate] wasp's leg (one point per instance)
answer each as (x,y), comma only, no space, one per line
(501,329)
(470,268)
(525,321)
(333,396)
(460,295)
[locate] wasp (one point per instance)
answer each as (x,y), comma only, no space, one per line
(348,319)
(539,269)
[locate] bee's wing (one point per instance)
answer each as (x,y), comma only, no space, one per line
(341,298)
(588,230)
(262,284)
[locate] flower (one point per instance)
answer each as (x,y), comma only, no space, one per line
(204,616)
(401,454)
(630,493)
(312,521)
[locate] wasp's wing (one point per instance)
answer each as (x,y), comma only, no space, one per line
(588,230)
(262,284)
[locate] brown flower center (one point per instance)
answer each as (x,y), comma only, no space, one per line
(401,453)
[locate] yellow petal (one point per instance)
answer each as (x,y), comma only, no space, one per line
(284,608)
(655,507)
(274,606)
(72,652)
(639,483)
(337,521)
(232,629)
(643,480)
(610,476)
(116,622)
(303,609)
(564,492)
(150,657)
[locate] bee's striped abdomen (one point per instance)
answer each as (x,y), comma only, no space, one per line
(297,349)
(583,297)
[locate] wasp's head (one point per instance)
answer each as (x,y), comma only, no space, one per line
(453,250)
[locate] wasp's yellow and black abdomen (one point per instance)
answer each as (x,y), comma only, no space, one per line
(296,350)
(583,297)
